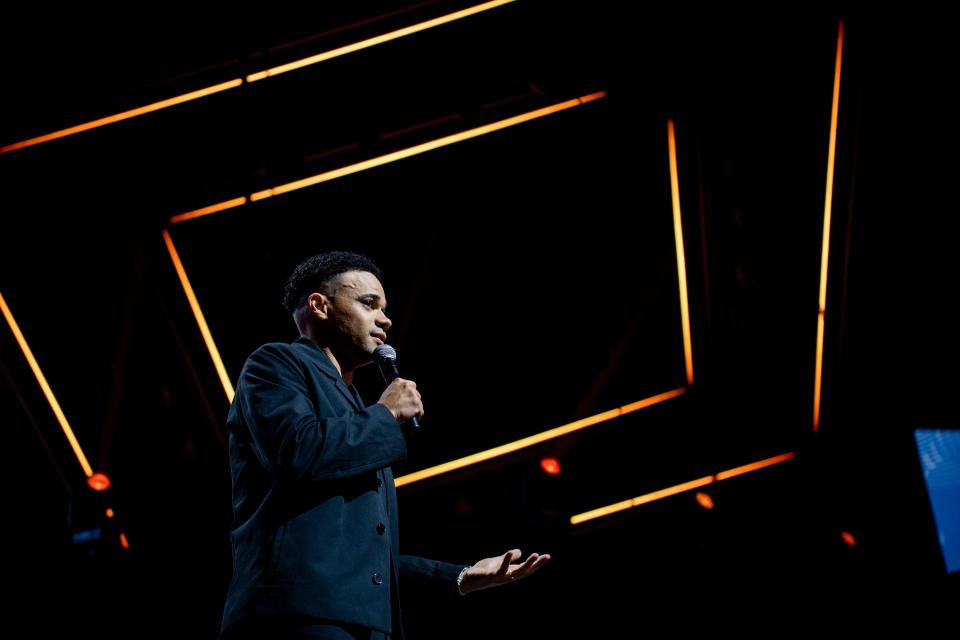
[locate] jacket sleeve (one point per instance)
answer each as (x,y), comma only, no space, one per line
(291,436)
(423,577)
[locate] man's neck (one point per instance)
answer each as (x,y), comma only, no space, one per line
(345,370)
(347,375)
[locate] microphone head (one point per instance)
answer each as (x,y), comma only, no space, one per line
(385,352)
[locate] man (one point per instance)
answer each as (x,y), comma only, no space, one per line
(314,536)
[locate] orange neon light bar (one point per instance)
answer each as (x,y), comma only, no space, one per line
(393,157)
(371,42)
(47,391)
(236,82)
(126,115)
(680,488)
(753,466)
(681,259)
(827,210)
(537,438)
(198,314)
(214,208)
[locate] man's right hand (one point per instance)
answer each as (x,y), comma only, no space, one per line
(403,400)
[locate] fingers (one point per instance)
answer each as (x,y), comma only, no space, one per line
(418,398)
(526,563)
(403,399)
(507,558)
(539,562)
(529,566)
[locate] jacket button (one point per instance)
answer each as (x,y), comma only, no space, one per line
(381,528)
(377,578)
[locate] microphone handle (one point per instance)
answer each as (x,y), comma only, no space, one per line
(390,373)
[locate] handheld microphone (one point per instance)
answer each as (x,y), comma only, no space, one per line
(386,359)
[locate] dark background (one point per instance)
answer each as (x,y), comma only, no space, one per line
(531,277)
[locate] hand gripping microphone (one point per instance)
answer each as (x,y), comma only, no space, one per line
(386,359)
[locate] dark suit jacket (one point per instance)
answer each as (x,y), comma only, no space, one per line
(315,508)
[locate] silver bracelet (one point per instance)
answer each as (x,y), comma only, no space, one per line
(463,572)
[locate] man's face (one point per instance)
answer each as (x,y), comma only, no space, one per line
(357,309)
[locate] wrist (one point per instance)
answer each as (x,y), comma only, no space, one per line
(463,573)
(391,410)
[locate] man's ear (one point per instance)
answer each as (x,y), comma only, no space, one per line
(318,305)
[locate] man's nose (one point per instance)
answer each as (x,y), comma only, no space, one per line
(384,321)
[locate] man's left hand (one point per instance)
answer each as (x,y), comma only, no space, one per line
(499,570)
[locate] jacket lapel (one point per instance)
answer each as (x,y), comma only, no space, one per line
(323,363)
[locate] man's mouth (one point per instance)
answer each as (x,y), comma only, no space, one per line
(381,338)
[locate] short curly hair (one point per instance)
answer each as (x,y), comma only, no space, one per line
(316,272)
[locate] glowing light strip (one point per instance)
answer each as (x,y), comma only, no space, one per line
(680,488)
(253,77)
(371,42)
(681,259)
(827,210)
(126,115)
(426,146)
(214,208)
(753,466)
(536,439)
(198,314)
(393,157)
(47,391)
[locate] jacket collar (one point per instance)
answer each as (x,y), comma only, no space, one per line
(319,357)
